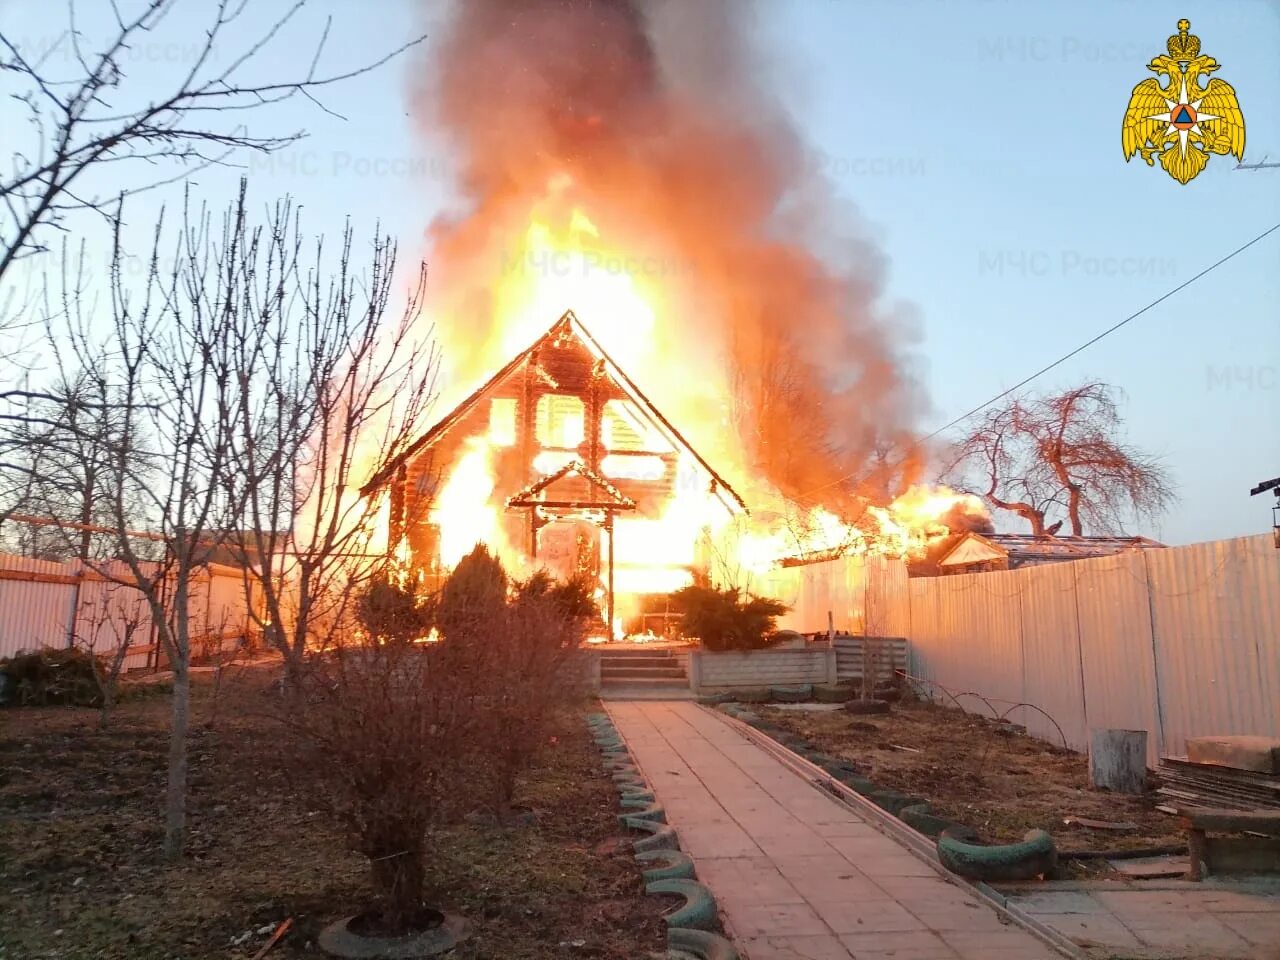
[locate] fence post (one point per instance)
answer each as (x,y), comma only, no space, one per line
(1155,652)
(695,670)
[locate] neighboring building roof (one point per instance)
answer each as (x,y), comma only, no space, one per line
(1020,548)
(568,324)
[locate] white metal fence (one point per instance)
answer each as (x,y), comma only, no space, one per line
(49,604)
(1179,642)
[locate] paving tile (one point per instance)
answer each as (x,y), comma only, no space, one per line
(845,828)
(1061,901)
(915,888)
(863,846)
(1093,930)
(791,843)
(963,916)
(820,947)
(866,916)
(747,880)
(1239,901)
(910,945)
(1261,929)
(1142,902)
(775,920)
(896,865)
(1190,932)
(1008,944)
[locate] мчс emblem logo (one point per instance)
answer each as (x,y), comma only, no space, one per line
(1183,122)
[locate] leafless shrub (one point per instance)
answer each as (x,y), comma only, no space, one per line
(518,645)
(387,742)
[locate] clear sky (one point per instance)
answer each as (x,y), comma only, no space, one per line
(981,141)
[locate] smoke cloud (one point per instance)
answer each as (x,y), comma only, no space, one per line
(655,119)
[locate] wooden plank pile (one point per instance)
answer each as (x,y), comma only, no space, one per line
(1185,783)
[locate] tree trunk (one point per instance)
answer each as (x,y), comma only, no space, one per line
(175,820)
(397,879)
(1118,760)
(1074,499)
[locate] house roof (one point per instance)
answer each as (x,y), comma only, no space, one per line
(981,547)
(567,324)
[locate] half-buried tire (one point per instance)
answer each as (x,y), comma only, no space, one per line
(1035,856)
(832,692)
(794,693)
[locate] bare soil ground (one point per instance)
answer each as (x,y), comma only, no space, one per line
(981,774)
(81,875)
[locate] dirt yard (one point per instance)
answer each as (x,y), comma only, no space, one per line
(81,875)
(976,772)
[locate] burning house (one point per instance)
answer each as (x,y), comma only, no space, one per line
(604,163)
(561,461)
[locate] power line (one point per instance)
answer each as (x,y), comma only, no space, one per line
(1260,165)
(1067,356)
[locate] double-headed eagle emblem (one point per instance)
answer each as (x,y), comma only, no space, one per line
(1183,122)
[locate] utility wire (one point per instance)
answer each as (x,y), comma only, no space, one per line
(1065,357)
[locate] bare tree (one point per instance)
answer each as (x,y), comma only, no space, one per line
(59,445)
(326,386)
(110,622)
(1062,459)
(89,118)
(158,372)
(84,116)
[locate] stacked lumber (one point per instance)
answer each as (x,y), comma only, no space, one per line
(1185,783)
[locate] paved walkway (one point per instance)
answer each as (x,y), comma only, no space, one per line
(1216,919)
(799,876)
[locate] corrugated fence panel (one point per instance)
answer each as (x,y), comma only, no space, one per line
(1179,642)
(111,613)
(972,644)
(1213,612)
(50,604)
(1115,638)
(34,613)
(1051,656)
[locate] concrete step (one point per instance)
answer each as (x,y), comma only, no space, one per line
(668,673)
(637,691)
(638,651)
(647,681)
(665,662)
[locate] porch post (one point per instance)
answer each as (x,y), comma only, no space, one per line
(608,525)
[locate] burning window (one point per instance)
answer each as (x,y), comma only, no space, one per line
(624,428)
(559,420)
(502,422)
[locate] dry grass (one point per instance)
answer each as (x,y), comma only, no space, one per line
(973,771)
(80,826)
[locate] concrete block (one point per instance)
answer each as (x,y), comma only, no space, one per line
(1260,754)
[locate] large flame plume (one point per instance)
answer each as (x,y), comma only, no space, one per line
(626,160)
